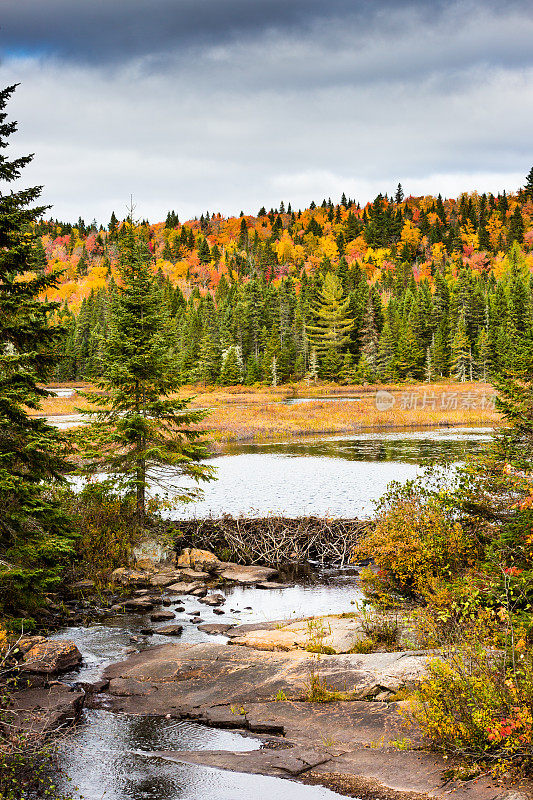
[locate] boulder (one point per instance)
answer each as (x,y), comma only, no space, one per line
(130,577)
(51,657)
(138,604)
(151,553)
(248,575)
(170,630)
(198,560)
(213,600)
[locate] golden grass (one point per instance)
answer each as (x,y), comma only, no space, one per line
(423,405)
(241,413)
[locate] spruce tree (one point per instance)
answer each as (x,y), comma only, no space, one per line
(34,532)
(141,435)
(332,324)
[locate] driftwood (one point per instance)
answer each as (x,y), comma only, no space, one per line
(273,540)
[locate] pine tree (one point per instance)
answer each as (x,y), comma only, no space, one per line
(333,324)
(139,435)
(34,533)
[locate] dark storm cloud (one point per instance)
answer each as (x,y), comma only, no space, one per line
(116,30)
(230,104)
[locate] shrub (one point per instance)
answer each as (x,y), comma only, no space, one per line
(106,526)
(478,705)
(416,543)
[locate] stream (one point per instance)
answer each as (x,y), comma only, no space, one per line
(108,756)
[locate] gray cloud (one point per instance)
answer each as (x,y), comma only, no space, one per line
(256,101)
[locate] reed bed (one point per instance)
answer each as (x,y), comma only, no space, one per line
(273,540)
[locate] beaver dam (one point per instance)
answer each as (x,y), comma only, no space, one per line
(273,540)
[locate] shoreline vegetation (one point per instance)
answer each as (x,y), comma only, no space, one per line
(255,414)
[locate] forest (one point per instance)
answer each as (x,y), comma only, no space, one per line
(403,288)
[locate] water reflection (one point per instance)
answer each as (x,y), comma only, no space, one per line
(109,757)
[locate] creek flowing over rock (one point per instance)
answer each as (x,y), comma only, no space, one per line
(195,683)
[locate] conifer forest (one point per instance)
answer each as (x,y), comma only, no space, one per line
(403,288)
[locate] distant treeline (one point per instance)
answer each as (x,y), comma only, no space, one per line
(416,287)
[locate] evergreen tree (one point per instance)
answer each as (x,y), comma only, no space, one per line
(231,372)
(139,435)
(34,533)
(332,324)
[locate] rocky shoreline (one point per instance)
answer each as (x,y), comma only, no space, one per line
(356,741)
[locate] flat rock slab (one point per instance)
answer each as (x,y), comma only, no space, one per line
(43,710)
(215,628)
(184,587)
(248,575)
(291,762)
(206,674)
(334,633)
(163,579)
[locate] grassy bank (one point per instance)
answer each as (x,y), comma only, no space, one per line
(242,413)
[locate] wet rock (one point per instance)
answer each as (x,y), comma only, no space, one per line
(196,620)
(248,575)
(225,717)
(147,631)
(139,604)
(215,627)
(166,602)
(170,630)
(213,600)
(200,592)
(183,587)
(179,609)
(218,611)
(161,616)
(93,688)
(51,657)
(272,585)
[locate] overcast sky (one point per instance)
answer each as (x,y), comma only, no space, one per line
(224,105)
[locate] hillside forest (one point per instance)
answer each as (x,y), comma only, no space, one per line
(403,288)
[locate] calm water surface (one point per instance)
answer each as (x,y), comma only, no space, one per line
(339,476)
